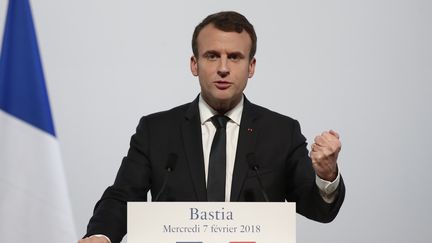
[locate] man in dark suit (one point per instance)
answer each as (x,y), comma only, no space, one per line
(262,155)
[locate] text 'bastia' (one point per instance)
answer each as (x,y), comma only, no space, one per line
(221,214)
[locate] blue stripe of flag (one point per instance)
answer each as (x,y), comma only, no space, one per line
(22,85)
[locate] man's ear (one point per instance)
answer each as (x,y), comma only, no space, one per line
(194,65)
(252,67)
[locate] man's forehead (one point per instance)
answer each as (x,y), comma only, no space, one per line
(213,38)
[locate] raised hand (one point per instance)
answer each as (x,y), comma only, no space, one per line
(324,154)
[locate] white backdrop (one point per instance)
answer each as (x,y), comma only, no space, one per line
(363,68)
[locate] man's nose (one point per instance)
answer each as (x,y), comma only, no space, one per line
(223,69)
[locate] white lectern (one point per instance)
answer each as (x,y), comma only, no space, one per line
(209,222)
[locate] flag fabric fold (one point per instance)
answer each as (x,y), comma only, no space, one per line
(34,200)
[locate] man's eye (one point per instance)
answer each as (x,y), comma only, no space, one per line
(211,56)
(233,57)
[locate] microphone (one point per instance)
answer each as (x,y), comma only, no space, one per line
(253,165)
(170,166)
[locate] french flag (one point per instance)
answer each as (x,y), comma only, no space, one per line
(34,200)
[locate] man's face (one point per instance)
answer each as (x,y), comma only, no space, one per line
(223,66)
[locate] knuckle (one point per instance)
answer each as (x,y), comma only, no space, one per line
(319,156)
(325,155)
(332,148)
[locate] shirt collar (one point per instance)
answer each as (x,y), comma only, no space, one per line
(206,112)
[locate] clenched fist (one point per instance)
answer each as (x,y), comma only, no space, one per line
(94,239)
(324,154)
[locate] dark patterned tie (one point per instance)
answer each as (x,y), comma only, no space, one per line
(217,162)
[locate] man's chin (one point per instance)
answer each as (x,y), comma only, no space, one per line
(224,104)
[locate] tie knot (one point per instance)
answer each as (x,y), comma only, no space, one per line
(220,121)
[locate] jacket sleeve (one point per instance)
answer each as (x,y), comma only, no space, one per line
(131,184)
(302,188)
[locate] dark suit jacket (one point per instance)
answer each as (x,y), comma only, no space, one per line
(275,140)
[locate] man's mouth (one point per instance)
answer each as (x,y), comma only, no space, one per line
(222,84)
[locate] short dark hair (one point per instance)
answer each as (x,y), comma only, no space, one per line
(228,21)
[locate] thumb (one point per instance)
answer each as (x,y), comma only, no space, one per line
(332,132)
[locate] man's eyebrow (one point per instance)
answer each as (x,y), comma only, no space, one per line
(211,52)
(216,53)
(236,53)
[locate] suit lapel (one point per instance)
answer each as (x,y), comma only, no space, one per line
(246,144)
(192,142)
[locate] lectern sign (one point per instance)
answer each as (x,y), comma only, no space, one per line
(208,222)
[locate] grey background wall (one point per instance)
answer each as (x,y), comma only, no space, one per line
(363,68)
